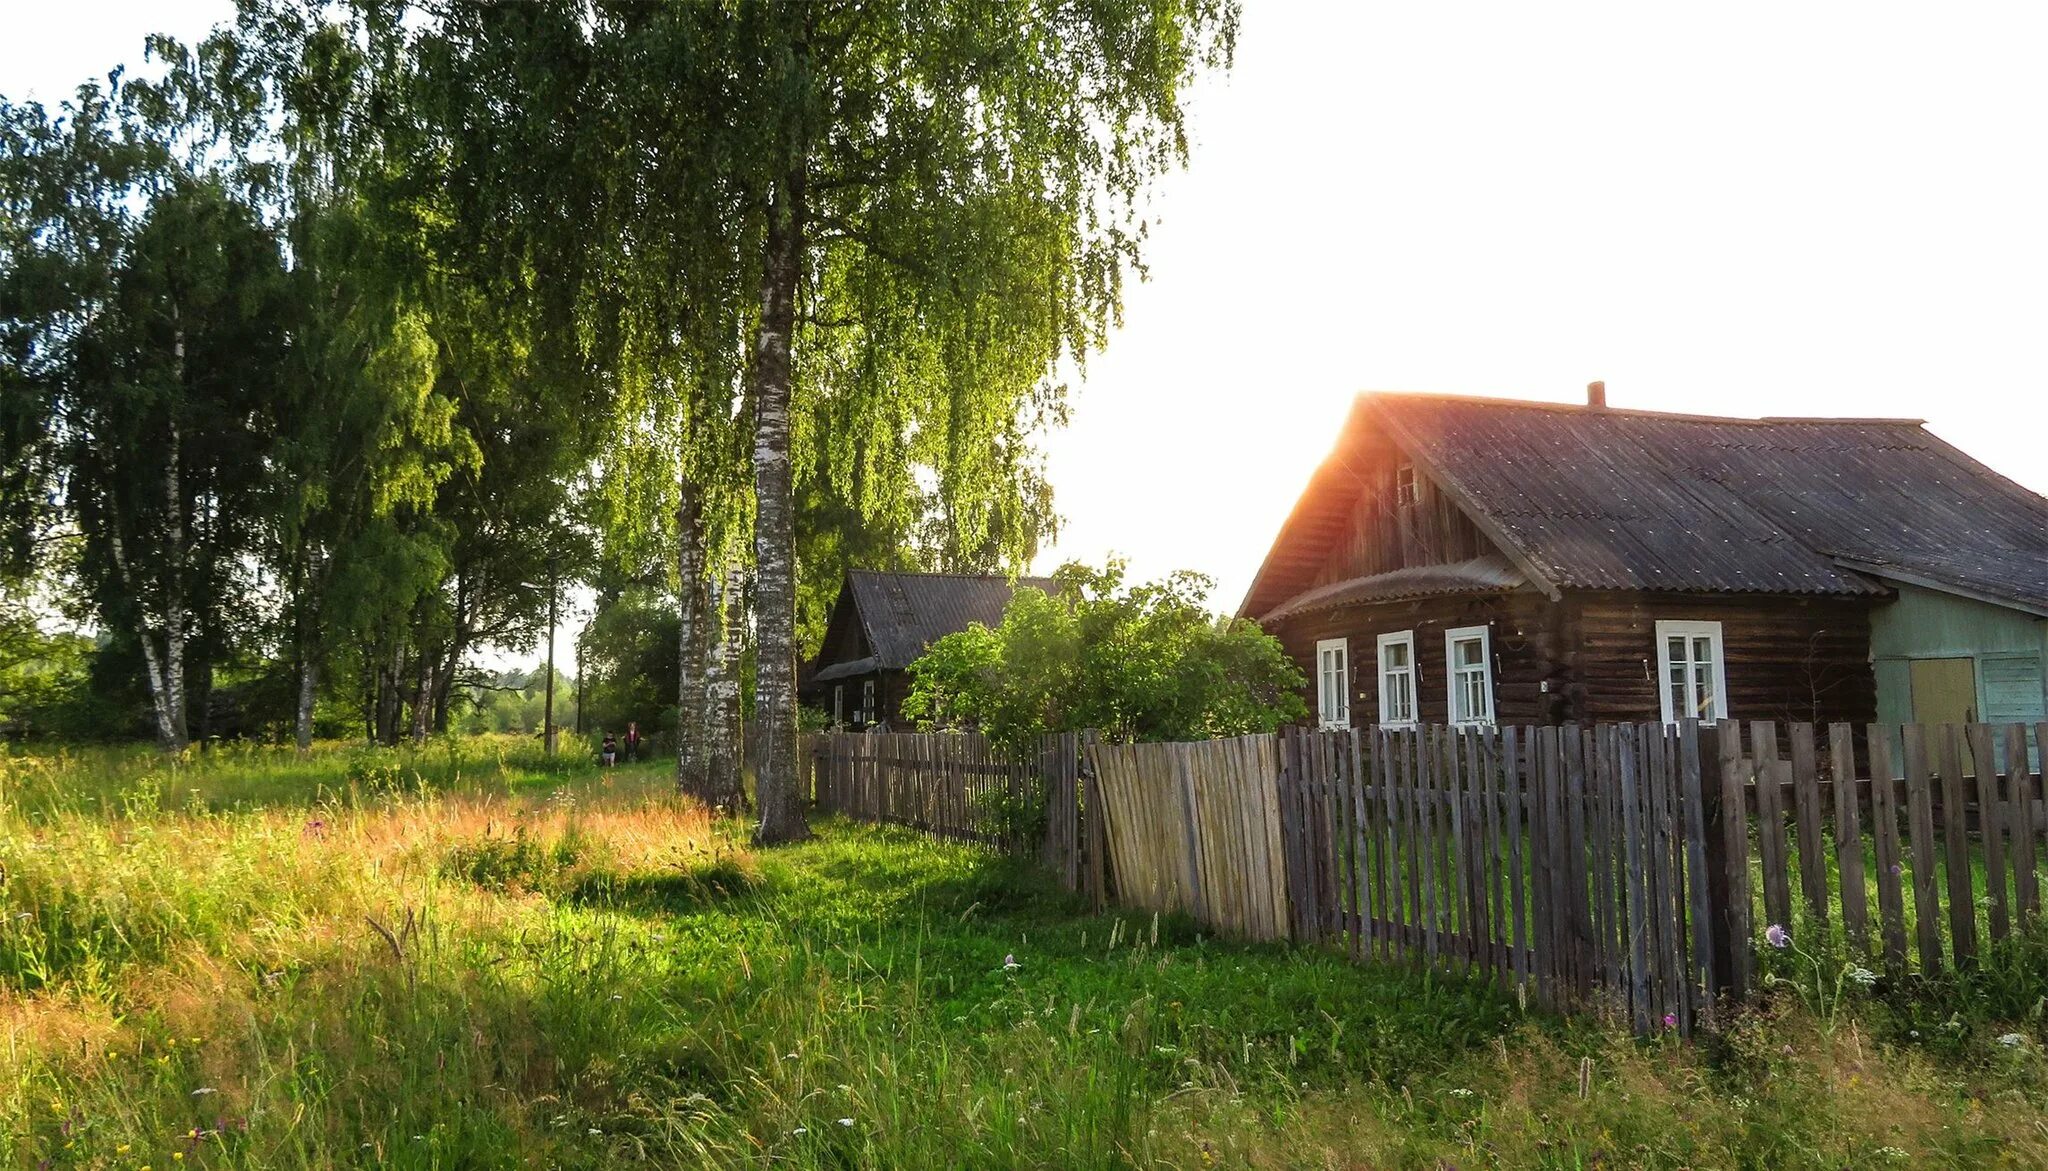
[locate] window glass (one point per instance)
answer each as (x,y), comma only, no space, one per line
(1333,679)
(1689,657)
(1397,678)
(1471,676)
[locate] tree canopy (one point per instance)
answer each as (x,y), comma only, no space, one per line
(1138,662)
(345,338)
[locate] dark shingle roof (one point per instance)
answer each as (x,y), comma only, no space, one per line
(903,613)
(1638,500)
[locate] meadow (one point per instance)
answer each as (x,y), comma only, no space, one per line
(470,955)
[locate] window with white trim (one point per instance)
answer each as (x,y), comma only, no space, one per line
(1397,678)
(1692,680)
(866,715)
(1468,671)
(1333,683)
(839,705)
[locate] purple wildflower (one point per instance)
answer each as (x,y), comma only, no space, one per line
(1777,937)
(1670,1020)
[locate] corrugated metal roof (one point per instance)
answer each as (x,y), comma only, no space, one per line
(903,613)
(1638,500)
(1479,575)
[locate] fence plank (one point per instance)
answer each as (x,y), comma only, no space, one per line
(1399,903)
(2020,788)
(1955,834)
(1734,811)
(1633,825)
(1770,816)
(1884,819)
(1572,750)
(1496,852)
(1692,796)
(1362,900)
(1849,838)
(1920,817)
(1608,866)
(1813,869)
(1426,788)
(1991,826)
(1514,827)
(1465,856)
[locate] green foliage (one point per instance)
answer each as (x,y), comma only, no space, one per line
(1146,662)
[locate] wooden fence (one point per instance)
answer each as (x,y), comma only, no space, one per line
(1630,868)
(957,785)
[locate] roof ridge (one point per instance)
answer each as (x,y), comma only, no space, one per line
(948,573)
(1638,412)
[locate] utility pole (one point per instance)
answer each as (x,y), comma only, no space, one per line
(548,717)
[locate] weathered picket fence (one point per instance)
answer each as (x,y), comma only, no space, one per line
(1628,868)
(958,785)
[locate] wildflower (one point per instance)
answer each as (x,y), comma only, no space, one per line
(1670,1020)
(1010,963)
(846,1122)
(1777,937)
(595,1131)
(801,1130)
(1459,1092)
(1863,976)
(2012,1040)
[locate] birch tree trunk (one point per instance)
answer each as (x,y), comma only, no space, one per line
(159,696)
(423,698)
(309,683)
(722,696)
(691,776)
(174,576)
(782,814)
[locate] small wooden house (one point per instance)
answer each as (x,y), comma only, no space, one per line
(1479,561)
(881,623)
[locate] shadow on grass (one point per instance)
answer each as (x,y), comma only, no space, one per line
(670,893)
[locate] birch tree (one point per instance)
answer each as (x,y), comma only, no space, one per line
(949,197)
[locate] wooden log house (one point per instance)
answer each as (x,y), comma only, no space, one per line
(880,624)
(1481,561)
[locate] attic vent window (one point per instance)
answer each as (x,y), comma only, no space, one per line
(1404,485)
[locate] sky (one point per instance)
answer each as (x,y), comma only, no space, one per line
(1746,209)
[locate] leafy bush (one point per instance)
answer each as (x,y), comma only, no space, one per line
(1143,662)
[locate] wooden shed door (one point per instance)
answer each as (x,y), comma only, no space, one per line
(1944,691)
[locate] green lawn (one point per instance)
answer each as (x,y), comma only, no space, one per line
(582,971)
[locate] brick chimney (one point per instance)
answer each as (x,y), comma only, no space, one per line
(1596,396)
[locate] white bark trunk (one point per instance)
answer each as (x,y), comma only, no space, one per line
(722,695)
(775,789)
(691,757)
(309,681)
(174,575)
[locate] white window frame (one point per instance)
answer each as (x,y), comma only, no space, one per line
(1668,629)
(1452,638)
(839,705)
(1387,718)
(867,702)
(1342,718)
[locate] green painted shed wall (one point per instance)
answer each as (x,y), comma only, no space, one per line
(2010,646)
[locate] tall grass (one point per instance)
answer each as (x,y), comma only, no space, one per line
(501,965)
